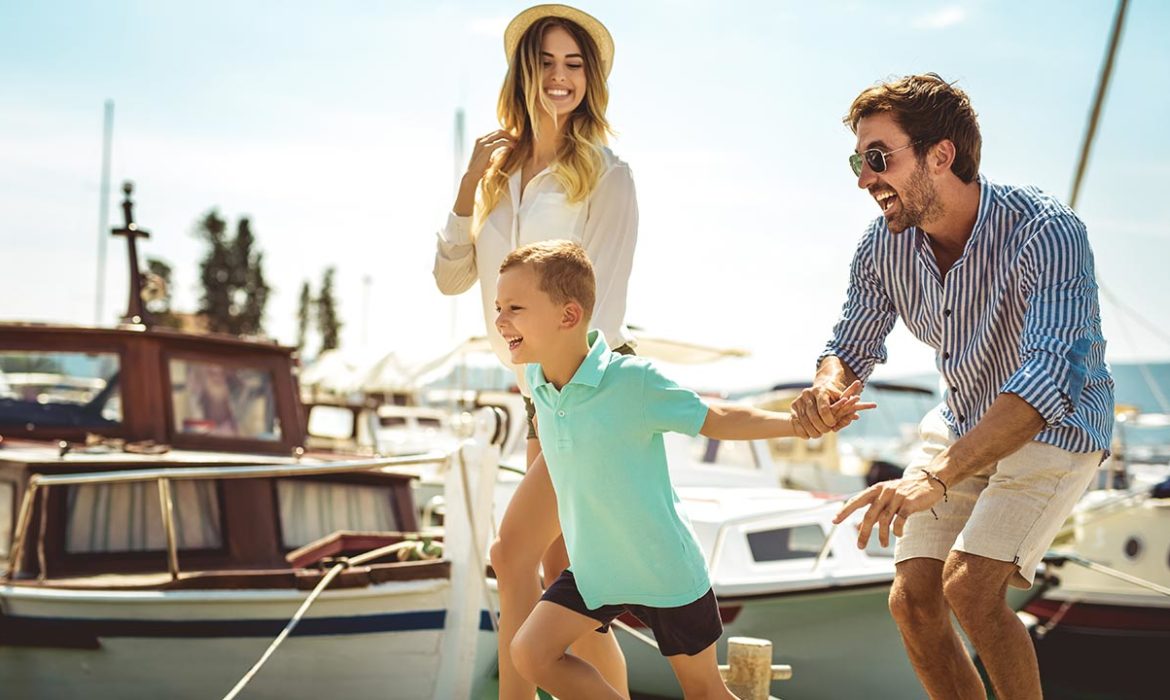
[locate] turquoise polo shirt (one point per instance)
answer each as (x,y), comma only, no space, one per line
(628,539)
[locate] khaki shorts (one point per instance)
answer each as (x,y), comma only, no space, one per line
(530,408)
(1009,512)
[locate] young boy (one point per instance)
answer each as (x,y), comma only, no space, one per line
(601,417)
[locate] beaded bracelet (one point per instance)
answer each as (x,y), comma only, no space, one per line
(930,475)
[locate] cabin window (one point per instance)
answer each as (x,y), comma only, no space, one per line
(59,389)
(335,422)
(127,517)
(787,543)
(310,510)
(208,398)
(7,512)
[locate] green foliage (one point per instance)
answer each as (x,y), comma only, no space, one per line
(232,275)
(327,319)
(157,293)
(304,315)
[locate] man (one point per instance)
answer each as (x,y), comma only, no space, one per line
(999,281)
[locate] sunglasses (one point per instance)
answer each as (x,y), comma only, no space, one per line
(875,159)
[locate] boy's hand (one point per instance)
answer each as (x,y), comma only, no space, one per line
(845,409)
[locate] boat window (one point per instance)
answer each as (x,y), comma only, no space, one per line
(732,453)
(127,517)
(59,389)
(7,512)
(334,422)
(310,510)
(786,543)
(208,398)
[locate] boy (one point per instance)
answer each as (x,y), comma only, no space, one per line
(601,417)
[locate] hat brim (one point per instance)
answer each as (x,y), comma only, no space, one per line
(596,30)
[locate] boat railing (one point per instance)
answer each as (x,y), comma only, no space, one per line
(756,518)
(39,485)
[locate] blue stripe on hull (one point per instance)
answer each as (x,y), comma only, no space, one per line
(308,627)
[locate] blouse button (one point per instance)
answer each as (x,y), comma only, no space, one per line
(561,414)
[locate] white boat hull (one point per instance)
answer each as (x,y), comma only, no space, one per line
(378,642)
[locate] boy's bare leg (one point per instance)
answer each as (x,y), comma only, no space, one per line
(699,676)
(600,650)
(528,527)
(540,653)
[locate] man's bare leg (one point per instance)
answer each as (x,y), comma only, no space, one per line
(976,587)
(935,650)
(600,650)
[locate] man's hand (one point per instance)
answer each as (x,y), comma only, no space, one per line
(891,502)
(816,410)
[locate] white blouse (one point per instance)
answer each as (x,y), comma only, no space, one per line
(605,224)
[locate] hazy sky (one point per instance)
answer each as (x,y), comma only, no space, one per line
(330,124)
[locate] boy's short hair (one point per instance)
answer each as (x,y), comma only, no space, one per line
(928,109)
(563,270)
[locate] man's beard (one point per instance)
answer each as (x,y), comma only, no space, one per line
(919,204)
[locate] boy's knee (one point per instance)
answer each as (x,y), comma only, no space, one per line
(530,658)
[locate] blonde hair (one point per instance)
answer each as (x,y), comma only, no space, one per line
(578,163)
(562,269)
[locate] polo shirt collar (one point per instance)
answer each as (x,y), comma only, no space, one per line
(592,367)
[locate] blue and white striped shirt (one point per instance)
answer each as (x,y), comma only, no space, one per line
(1017,313)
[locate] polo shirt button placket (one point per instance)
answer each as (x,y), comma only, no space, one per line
(564,442)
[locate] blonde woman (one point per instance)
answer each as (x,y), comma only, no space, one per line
(545,174)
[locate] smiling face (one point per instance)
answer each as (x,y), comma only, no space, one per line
(905,192)
(562,74)
(526,316)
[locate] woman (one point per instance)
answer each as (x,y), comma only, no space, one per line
(545,174)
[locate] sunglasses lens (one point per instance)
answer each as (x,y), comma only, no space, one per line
(876,160)
(855,163)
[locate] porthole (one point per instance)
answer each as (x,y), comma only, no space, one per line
(1133,547)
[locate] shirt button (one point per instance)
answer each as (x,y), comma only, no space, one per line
(946,312)
(962,419)
(561,414)
(946,356)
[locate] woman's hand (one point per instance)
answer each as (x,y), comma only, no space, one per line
(485,150)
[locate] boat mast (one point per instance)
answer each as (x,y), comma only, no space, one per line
(104,211)
(135,311)
(1098,102)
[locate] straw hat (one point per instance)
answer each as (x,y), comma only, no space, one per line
(594,28)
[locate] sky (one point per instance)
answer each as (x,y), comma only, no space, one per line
(331,125)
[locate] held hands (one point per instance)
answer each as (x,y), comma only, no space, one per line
(892,502)
(820,410)
(838,410)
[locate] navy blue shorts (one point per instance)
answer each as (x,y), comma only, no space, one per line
(687,629)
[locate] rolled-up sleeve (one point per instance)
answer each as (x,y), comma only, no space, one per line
(609,238)
(1061,290)
(455,271)
(868,316)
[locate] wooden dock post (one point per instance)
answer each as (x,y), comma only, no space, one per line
(749,671)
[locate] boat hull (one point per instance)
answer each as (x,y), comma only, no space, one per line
(837,642)
(379,641)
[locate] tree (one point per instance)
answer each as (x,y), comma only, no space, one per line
(327,320)
(156,292)
(304,315)
(232,274)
